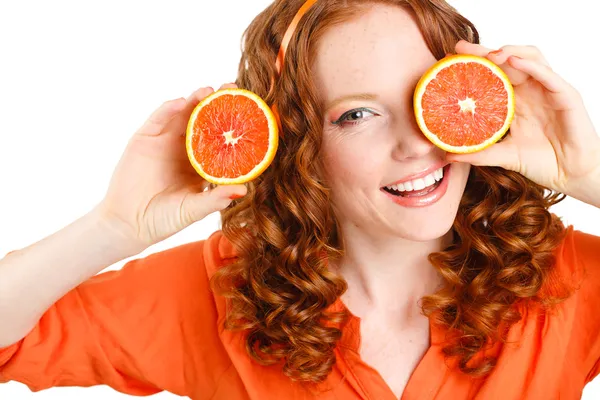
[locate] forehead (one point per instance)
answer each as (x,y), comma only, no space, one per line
(380,50)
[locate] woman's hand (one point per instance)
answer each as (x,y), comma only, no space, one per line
(552,140)
(154,191)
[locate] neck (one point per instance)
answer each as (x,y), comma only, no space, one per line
(387,273)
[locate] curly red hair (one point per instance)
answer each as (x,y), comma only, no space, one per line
(284,230)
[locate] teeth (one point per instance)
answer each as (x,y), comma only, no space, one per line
(429,180)
(418,184)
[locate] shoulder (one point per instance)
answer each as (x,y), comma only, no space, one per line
(578,252)
(207,255)
(212,252)
(577,263)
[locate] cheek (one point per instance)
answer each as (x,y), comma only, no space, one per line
(349,165)
(461,170)
(465,169)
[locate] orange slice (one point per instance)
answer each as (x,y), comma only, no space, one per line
(231,137)
(464,103)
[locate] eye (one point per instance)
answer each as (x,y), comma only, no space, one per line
(354,117)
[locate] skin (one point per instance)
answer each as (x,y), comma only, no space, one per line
(381,52)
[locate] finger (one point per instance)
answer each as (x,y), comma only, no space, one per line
(464,47)
(502,154)
(197,206)
(160,118)
(529,52)
(498,57)
(540,72)
(502,56)
(198,95)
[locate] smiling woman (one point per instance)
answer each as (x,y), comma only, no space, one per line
(364,263)
(368,140)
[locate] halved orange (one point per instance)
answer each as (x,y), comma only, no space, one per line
(464,103)
(232,137)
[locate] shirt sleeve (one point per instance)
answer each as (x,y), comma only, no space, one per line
(148,327)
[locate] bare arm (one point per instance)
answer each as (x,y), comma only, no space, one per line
(33,278)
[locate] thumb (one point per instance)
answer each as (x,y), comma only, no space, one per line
(198,205)
(502,154)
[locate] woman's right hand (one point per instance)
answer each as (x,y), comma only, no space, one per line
(154,191)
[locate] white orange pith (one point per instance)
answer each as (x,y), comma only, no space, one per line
(232,137)
(464,103)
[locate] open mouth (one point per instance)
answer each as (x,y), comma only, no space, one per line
(417,187)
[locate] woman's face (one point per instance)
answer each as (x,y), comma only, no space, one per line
(367,70)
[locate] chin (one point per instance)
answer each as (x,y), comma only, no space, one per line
(427,232)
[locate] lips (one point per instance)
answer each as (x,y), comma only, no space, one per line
(423,197)
(421,174)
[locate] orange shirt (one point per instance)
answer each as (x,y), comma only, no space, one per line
(155,325)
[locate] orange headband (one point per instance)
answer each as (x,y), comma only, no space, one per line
(283,48)
(290,31)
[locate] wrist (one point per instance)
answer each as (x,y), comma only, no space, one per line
(595,188)
(115,234)
(588,190)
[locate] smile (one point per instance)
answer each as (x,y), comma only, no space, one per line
(417,187)
(420,192)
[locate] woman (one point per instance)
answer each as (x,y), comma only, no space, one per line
(319,274)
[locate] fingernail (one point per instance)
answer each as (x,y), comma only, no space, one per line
(517,57)
(495,52)
(235,196)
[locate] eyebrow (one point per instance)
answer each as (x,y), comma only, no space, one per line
(354,96)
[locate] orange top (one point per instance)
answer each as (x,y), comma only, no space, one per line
(155,325)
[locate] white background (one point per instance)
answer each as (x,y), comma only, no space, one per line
(77,78)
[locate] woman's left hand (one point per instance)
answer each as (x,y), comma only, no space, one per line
(552,140)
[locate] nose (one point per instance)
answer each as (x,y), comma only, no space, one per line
(411,143)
